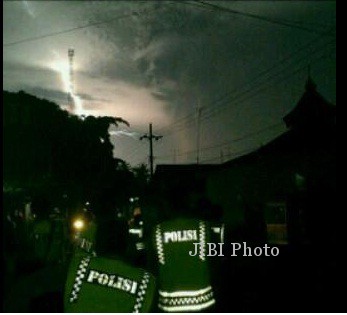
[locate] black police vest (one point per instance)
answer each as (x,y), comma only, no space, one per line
(98,285)
(184,280)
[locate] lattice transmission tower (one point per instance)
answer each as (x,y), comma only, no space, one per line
(71,54)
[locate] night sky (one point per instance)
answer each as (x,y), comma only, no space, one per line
(159,62)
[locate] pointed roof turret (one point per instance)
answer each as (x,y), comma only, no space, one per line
(310,85)
(312,111)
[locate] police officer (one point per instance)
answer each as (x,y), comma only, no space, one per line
(58,238)
(33,292)
(107,282)
(42,231)
(184,281)
(136,236)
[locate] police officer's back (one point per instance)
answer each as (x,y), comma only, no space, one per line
(42,231)
(107,282)
(184,281)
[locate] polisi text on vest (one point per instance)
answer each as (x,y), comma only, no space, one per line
(180,236)
(112,281)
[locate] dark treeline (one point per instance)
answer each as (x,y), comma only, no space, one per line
(55,157)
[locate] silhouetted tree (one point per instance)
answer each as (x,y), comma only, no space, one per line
(51,152)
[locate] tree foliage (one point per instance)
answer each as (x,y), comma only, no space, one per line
(49,151)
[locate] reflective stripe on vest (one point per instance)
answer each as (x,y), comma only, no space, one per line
(222,234)
(141,293)
(81,274)
(219,230)
(186,300)
(202,240)
(160,248)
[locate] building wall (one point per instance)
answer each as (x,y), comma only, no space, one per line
(301,177)
(244,189)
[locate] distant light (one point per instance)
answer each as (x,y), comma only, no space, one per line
(78,224)
(87,203)
(131,199)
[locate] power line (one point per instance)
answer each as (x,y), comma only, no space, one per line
(260,17)
(204,4)
(234,154)
(226,101)
(261,74)
(290,23)
(215,110)
(135,150)
(247,135)
(123,16)
(244,137)
(191,115)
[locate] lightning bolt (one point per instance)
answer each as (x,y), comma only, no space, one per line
(119,133)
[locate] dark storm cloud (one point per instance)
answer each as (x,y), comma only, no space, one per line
(202,51)
(20,68)
(182,51)
(161,49)
(169,57)
(18,73)
(88,97)
(209,54)
(60,97)
(57,96)
(118,69)
(13,71)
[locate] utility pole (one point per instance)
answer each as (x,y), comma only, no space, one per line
(150,138)
(199,109)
